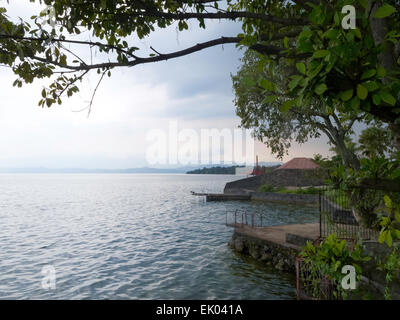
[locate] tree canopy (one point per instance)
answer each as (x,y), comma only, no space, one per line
(357,67)
(375,141)
(262,111)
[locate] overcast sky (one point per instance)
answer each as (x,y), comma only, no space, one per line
(196,91)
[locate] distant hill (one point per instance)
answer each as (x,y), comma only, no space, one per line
(215,170)
(162,169)
(267,166)
(83,170)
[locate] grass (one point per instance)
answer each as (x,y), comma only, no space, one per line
(270,188)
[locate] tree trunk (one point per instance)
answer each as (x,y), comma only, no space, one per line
(349,158)
(379,29)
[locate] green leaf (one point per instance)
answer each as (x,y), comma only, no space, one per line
(286,42)
(380,72)
(346,95)
(248,82)
(389,239)
(371,86)
(388,98)
(362,92)
(388,201)
(368,74)
(287,105)
(382,236)
(266,84)
(320,89)
(355,103)
(301,67)
(320,53)
(364,3)
(331,34)
(270,99)
(299,100)
(376,98)
(384,11)
(294,82)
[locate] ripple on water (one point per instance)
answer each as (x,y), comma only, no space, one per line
(130,237)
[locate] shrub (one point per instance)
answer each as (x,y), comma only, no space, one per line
(309,190)
(266,188)
(326,261)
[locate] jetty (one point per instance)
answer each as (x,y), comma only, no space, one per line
(277,246)
(222,196)
(291,236)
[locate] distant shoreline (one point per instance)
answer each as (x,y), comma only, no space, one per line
(189,169)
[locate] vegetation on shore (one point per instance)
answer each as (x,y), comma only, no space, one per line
(304,76)
(279,189)
(215,170)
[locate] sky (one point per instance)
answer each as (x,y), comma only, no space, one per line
(194,91)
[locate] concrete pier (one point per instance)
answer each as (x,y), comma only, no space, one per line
(222,196)
(300,199)
(276,245)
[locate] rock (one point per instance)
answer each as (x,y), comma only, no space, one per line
(280,265)
(239,246)
(254,252)
(265,257)
(281,258)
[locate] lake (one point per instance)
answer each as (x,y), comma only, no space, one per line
(130,236)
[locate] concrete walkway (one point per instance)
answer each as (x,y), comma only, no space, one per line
(278,234)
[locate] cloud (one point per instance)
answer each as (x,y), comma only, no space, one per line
(196,90)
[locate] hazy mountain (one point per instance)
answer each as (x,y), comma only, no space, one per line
(164,169)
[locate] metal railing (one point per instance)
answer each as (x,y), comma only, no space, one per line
(336,216)
(240,218)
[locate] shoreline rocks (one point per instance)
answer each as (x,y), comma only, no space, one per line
(283,258)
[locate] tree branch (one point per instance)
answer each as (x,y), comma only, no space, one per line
(232,15)
(163,57)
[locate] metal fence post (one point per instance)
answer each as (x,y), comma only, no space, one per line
(320,213)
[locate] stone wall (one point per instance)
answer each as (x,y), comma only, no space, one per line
(283,258)
(279,256)
(304,199)
(284,178)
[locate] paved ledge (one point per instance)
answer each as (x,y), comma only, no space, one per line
(270,245)
(287,198)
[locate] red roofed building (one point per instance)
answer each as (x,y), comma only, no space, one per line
(298,172)
(299,163)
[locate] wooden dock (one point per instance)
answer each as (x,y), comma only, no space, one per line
(222,196)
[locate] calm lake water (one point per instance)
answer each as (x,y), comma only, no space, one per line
(111,236)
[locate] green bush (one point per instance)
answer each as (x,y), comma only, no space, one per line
(326,261)
(266,188)
(280,189)
(309,190)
